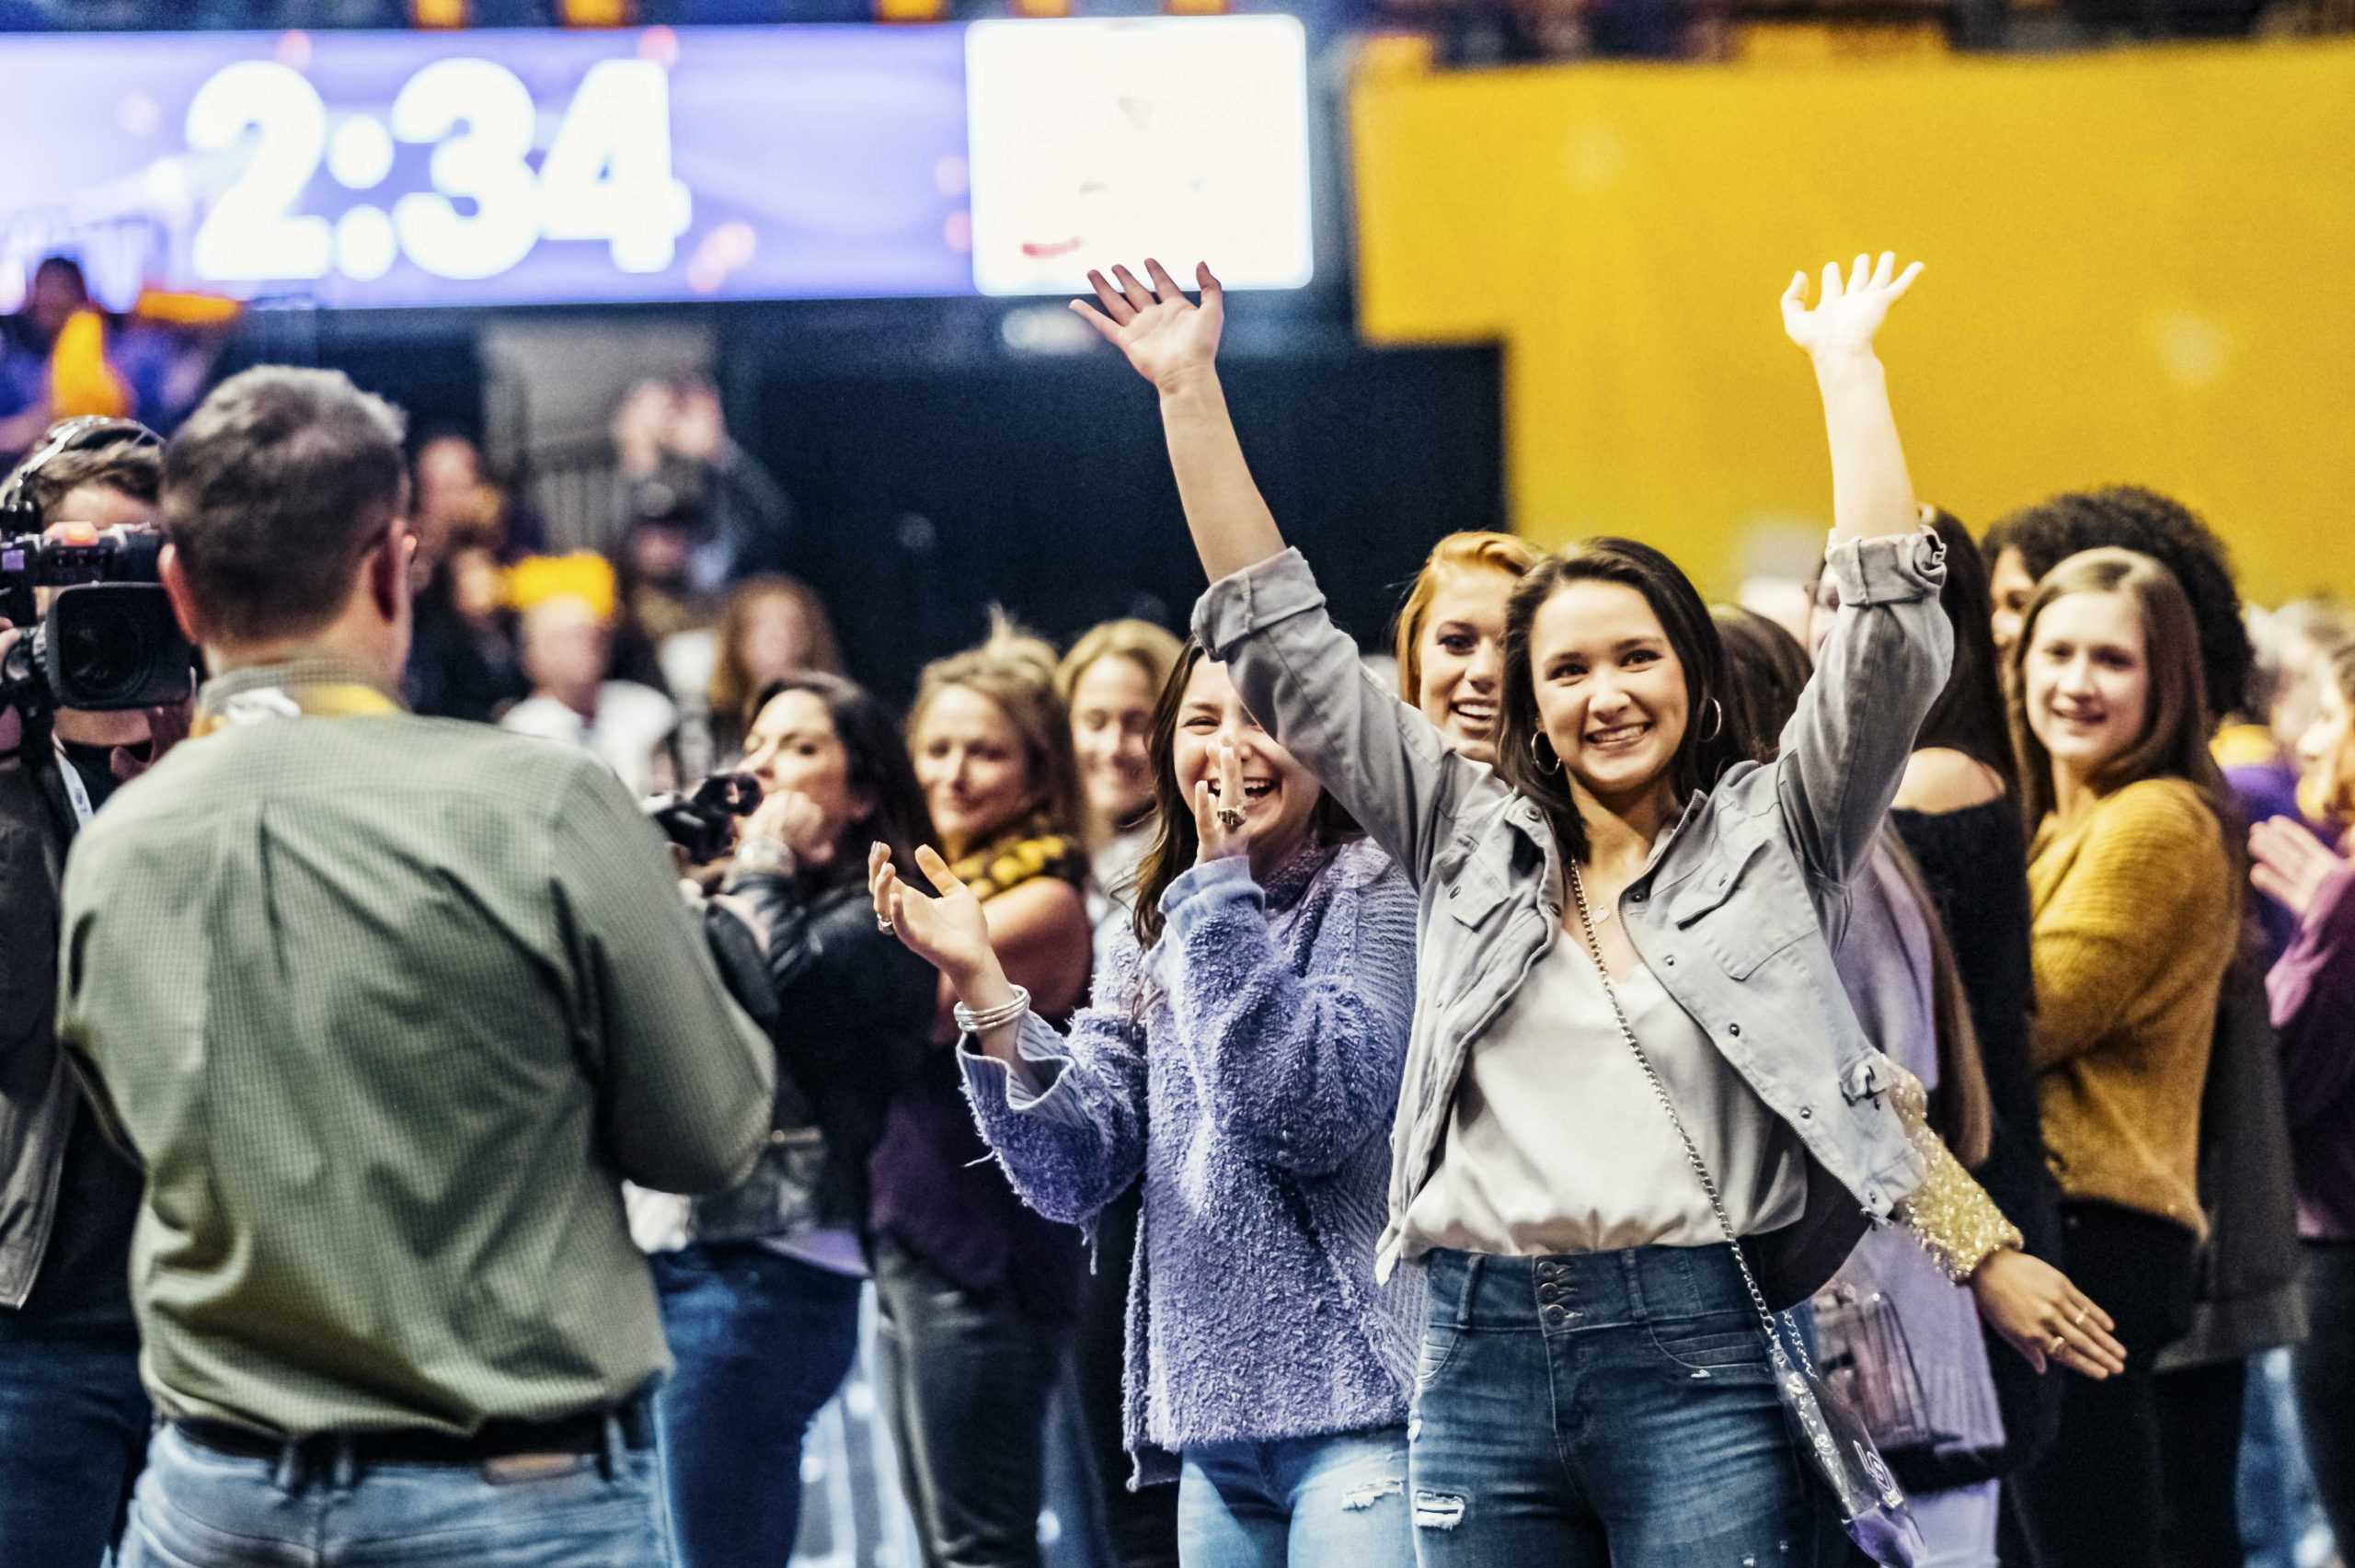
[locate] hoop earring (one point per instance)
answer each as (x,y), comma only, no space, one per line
(1717,717)
(1534,737)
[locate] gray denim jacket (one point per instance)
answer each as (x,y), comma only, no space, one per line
(1730,914)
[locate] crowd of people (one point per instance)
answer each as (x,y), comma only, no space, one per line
(1438,1118)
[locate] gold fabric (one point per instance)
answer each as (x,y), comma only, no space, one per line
(1949,1214)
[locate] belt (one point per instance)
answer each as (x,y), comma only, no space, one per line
(583,1433)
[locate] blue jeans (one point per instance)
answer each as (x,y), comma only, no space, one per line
(1605,1410)
(199,1508)
(762,1342)
(74,1427)
(1305,1502)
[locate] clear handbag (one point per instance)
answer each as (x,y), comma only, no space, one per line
(1862,1353)
(1873,1510)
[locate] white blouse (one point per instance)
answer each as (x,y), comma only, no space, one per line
(1556,1143)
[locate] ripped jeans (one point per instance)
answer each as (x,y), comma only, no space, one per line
(1332,1502)
(1605,1410)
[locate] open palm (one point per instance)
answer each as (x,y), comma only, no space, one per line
(1847,312)
(1165,335)
(948,932)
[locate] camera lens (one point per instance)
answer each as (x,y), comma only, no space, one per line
(105,650)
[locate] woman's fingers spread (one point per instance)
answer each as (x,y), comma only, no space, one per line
(1206,281)
(1136,293)
(1105,326)
(1884,270)
(1164,285)
(1830,284)
(1860,273)
(1114,306)
(1905,279)
(936,871)
(1795,297)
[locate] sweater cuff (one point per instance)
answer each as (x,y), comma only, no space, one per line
(1893,569)
(991,1082)
(1205,891)
(2334,905)
(1248,602)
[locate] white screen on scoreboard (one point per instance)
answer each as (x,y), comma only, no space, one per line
(1094,142)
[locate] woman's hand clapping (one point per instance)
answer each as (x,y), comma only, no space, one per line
(1846,314)
(1167,337)
(2290,864)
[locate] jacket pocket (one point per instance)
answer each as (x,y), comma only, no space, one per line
(1744,907)
(1474,895)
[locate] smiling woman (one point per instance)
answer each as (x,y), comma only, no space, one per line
(1451,632)
(2108,716)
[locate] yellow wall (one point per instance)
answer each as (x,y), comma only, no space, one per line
(2141,267)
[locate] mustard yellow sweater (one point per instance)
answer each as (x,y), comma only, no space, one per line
(2136,913)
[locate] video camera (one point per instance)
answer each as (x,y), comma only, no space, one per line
(110,639)
(698,821)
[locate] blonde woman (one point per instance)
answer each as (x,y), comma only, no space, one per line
(979,1295)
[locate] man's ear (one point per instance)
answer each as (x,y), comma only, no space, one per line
(388,569)
(169,566)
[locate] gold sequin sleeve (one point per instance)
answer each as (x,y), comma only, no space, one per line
(1949,1214)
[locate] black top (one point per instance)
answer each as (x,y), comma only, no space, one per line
(1975,863)
(84,1282)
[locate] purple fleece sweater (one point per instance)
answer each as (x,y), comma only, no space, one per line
(1246,1069)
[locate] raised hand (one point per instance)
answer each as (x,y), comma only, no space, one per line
(2046,1319)
(1165,335)
(948,932)
(2290,864)
(1212,812)
(1846,313)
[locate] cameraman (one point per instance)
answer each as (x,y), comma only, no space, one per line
(388,1006)
(73,1417)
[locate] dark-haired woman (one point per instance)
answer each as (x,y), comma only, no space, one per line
(1625,913)
(1239,1063)
(760,1307)
(2136,910)
(1957,806)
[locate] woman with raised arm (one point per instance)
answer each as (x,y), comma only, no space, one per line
(1238,1064)
(1624,921)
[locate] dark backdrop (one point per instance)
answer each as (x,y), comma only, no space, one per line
(927,492)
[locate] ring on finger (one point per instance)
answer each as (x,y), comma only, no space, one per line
(883,925)
(2079,1320)
(1230,818)
(2060,1342)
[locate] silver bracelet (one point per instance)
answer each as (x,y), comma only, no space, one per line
(766,856)
(996,1018)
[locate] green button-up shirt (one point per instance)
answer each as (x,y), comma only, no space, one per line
(389,1006)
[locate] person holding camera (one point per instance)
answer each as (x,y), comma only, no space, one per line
(388,1007)
(72,1416)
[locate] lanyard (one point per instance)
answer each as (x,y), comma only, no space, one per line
(76,790)
(270,705)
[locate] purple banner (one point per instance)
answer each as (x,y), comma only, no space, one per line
(490,167)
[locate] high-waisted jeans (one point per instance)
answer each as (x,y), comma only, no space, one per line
(1605,1410)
